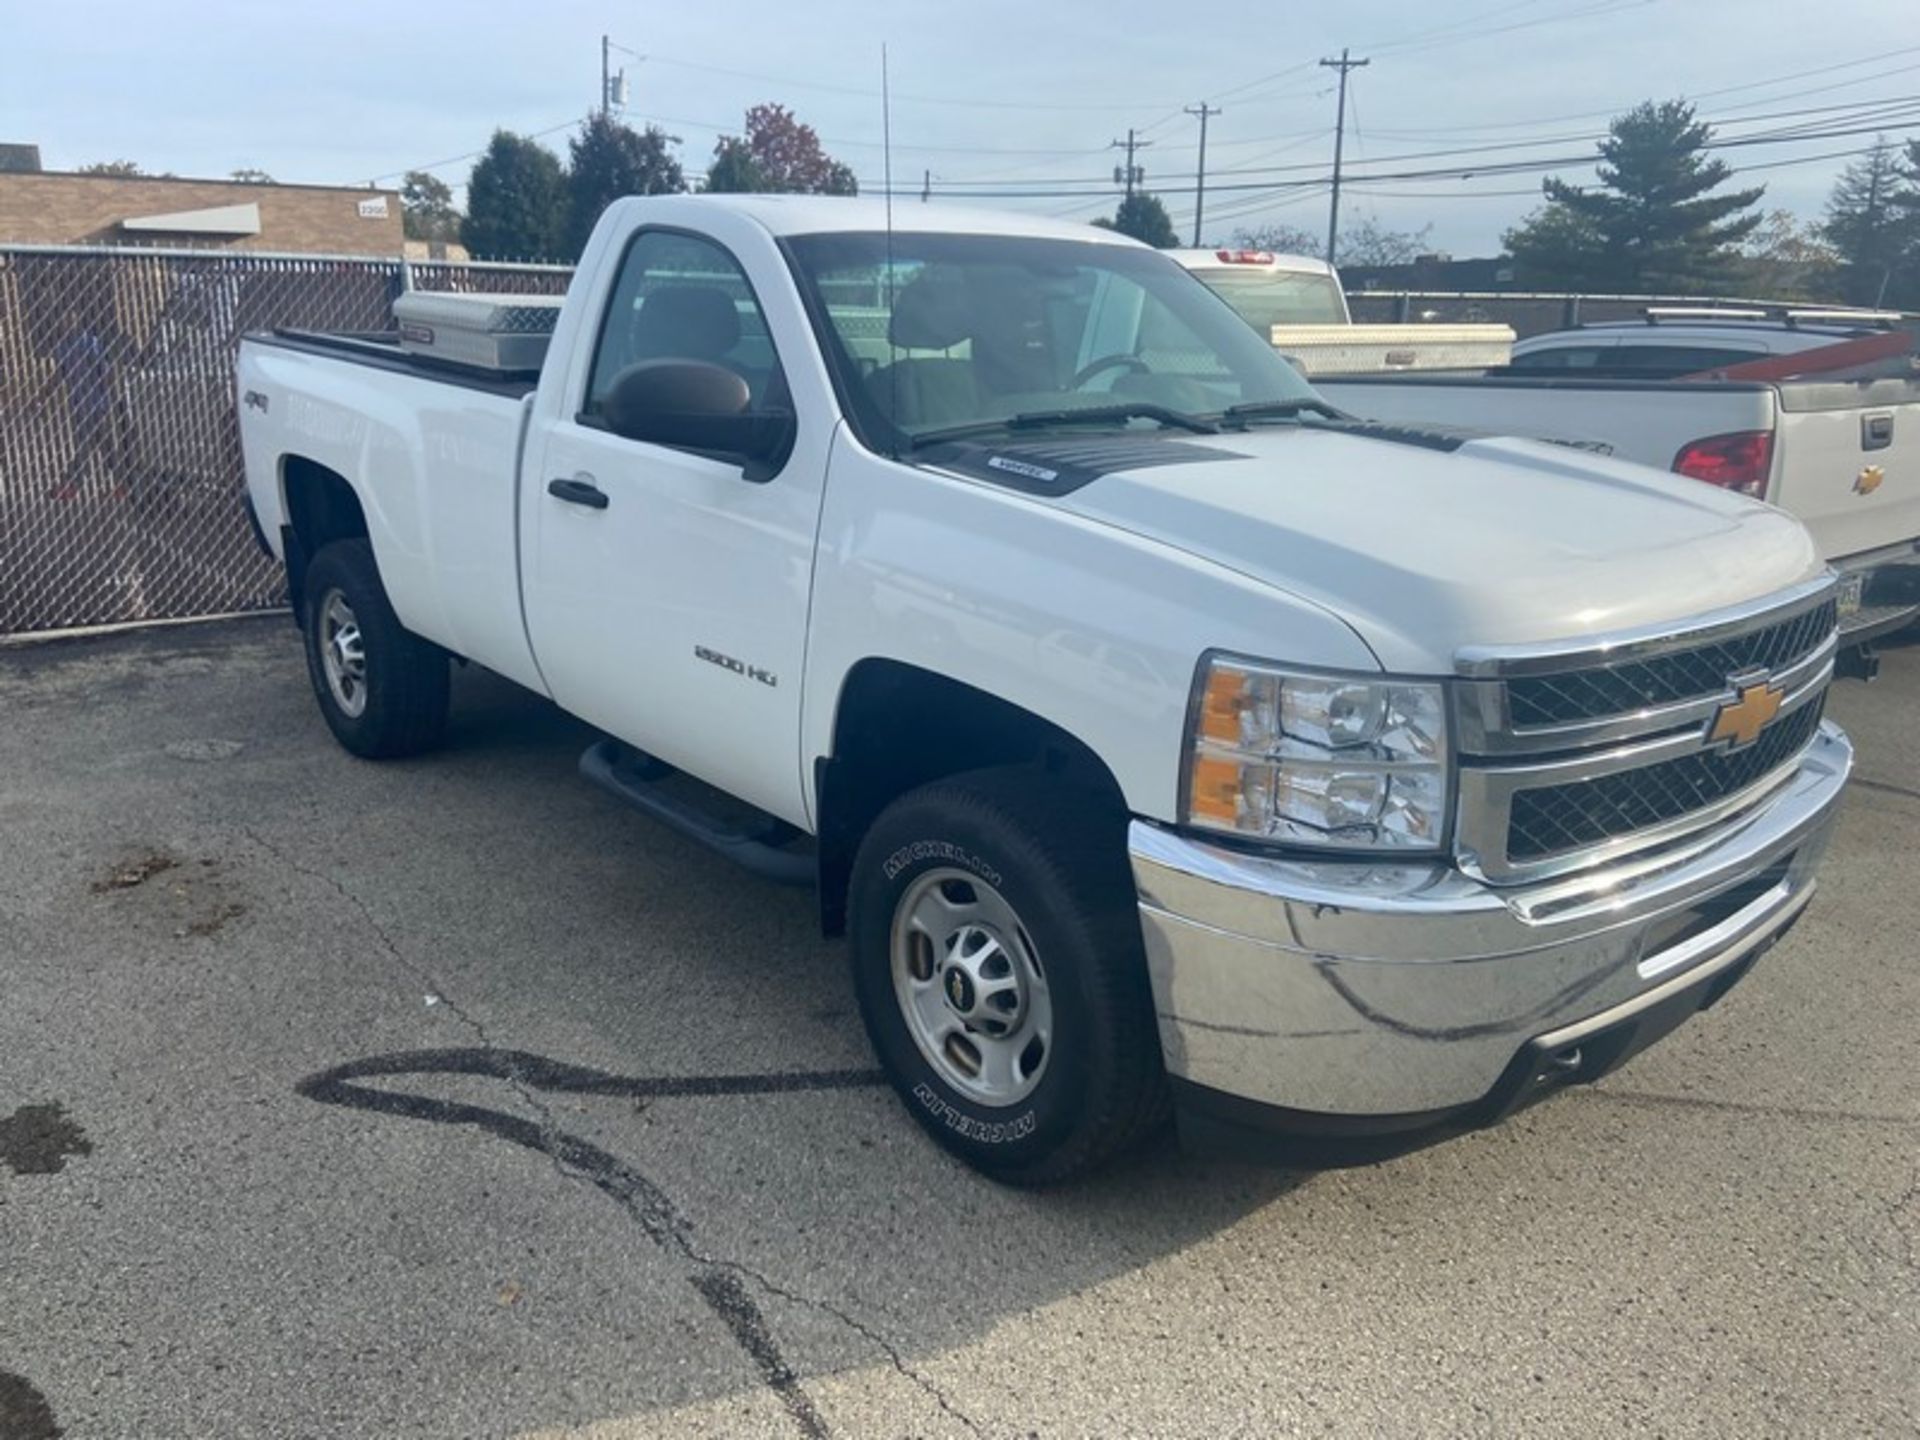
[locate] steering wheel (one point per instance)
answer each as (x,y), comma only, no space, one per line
(1133,364)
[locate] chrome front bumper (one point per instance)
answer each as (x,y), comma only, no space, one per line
(1366,989)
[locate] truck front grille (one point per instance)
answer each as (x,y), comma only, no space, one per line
(1562,698)
(1556,819)
(1571,758)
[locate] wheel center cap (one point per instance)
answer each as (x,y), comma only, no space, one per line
(959,988)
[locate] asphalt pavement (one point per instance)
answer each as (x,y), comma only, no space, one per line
(449,1098)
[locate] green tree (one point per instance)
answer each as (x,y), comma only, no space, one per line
(1144,218)
(1786,259)
(1652,223)
(1871,221)
(248,175)
(777,154)
(126,169)
(608,160)
(426,208)
(733,171)
(516,202)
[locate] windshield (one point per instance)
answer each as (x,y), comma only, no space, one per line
(958,332)
(1266,298)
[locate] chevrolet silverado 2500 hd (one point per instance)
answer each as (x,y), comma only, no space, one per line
(1154,732)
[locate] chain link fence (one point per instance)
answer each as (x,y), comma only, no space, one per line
(120,469)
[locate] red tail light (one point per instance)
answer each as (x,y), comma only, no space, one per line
(1244,257)
(1741,461)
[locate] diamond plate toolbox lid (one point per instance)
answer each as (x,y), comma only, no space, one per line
(493,332)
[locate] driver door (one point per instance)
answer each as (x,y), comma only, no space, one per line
(666,593)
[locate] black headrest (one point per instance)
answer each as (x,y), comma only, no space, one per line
(695,322)
(930,312)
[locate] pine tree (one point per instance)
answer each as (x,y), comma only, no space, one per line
(516,202)
(1653,223)
(609,160)
(1144,218)
(1871,220)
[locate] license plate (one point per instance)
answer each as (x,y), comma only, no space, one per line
(1852,587)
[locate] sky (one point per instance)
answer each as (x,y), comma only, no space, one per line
(990,97)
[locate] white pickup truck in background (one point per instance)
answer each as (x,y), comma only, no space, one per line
(1155,733)
(1840,454)
(1299,305)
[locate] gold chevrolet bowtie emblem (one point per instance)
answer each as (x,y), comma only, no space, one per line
(1742,718)
(1868,480)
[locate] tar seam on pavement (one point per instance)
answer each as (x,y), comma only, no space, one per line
(577,1159)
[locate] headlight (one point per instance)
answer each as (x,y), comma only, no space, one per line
(1328,760)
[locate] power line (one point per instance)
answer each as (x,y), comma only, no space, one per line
(1476,171)
(1865,113)
(970,102)
(1786,79)
(1593,11)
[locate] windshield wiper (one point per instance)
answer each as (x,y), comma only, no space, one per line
(1128,410)
(1083,415)
(1278,410)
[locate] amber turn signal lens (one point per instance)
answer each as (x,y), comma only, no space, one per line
(1221,705)
(1213,789)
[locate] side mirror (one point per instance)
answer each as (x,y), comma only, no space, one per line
(696,405)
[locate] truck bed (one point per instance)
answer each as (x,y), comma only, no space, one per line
(434,450)
(381,350)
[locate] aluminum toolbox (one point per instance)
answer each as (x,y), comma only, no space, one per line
(493,332)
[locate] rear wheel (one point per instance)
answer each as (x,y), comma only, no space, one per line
(997,957)
(382,689)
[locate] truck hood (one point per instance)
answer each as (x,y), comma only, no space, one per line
(1425,544)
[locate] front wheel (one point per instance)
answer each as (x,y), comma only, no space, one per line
(382,689)
(998,962)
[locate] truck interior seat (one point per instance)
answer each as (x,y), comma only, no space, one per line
(916,391)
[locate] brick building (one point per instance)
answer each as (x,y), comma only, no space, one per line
(53,208)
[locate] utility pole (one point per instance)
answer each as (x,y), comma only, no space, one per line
(1203,110)
(1134,173)
(606,77)
(1343,65)
(926,186)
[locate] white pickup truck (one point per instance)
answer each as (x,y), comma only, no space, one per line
(1299,304)
(1841,455)
(1154,733)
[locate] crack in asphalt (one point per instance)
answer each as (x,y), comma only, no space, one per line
(580,1161)
(1884,787)
(1744,1107)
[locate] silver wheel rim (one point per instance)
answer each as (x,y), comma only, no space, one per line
(971,988)
(343,654)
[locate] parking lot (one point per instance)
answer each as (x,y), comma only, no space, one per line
(448,1098)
